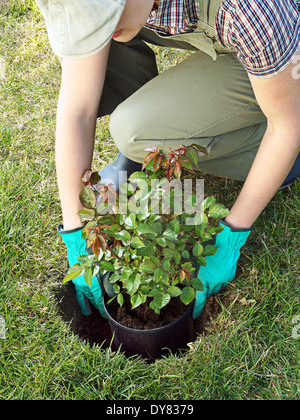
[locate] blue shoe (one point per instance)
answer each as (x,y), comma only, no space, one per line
(293,175)
(119,171)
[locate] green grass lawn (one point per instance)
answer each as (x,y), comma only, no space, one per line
(248,352)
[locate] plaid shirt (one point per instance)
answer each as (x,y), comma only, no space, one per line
(174,17)
(265,34)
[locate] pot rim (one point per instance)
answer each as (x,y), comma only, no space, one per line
(189,308)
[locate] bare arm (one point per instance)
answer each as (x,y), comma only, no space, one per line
(80,93)
(279,99)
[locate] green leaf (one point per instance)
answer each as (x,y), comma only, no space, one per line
(209,201)
(171,244)
(116,288)
(161,242)
(210,250)
(107,220)
(175,226)
(155,308)
(186,164)
(147,267)
(177,257)
(114,228)
(143,214)
(158,227)
(213,230)
(192,155)
(147,251)
(114,277)
(87,259)
(136,300)
(119,218)
(132,283)
(197,284)
(104,208)
(168,253)
(90,225)
(180,245)
(201,149)
(126,189)
(73,272)
(156,261)
(197,250)
(130,222)
(136,242)
(170,235)
(122,236)
(174,291)
(137,176)
(88,198)
(185,255)
(120,299)
(106,266)
(137,282)
(144,228)
(161,300)
(86,214)
(127,272)
(201,261)
(167,265)
(187,295)
(154,292)
(199,229)
(188,228)
(158,274)
(144,289)
(218,211)
(88,276)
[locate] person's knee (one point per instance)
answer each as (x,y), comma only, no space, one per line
(125,128)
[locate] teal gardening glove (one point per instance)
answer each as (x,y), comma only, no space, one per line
(220,268)
(85,294)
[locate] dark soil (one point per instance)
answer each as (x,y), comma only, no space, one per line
(144,318)
(95,329)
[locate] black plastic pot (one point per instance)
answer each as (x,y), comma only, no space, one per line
(154,343)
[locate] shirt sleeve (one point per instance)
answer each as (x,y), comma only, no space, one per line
(264,33)
(80,28)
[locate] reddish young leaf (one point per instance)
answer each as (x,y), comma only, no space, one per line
(102,242)
(86,176)
(148,159)
(96,247)
(108,193)
(187,273)
(90,239)
(158,161)
(95,178)
(152,149)
(177,170)
(104,227)
(182,276)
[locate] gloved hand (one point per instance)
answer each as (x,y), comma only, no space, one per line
(85,294)
(220,268)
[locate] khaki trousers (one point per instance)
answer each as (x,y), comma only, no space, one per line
(201,100)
